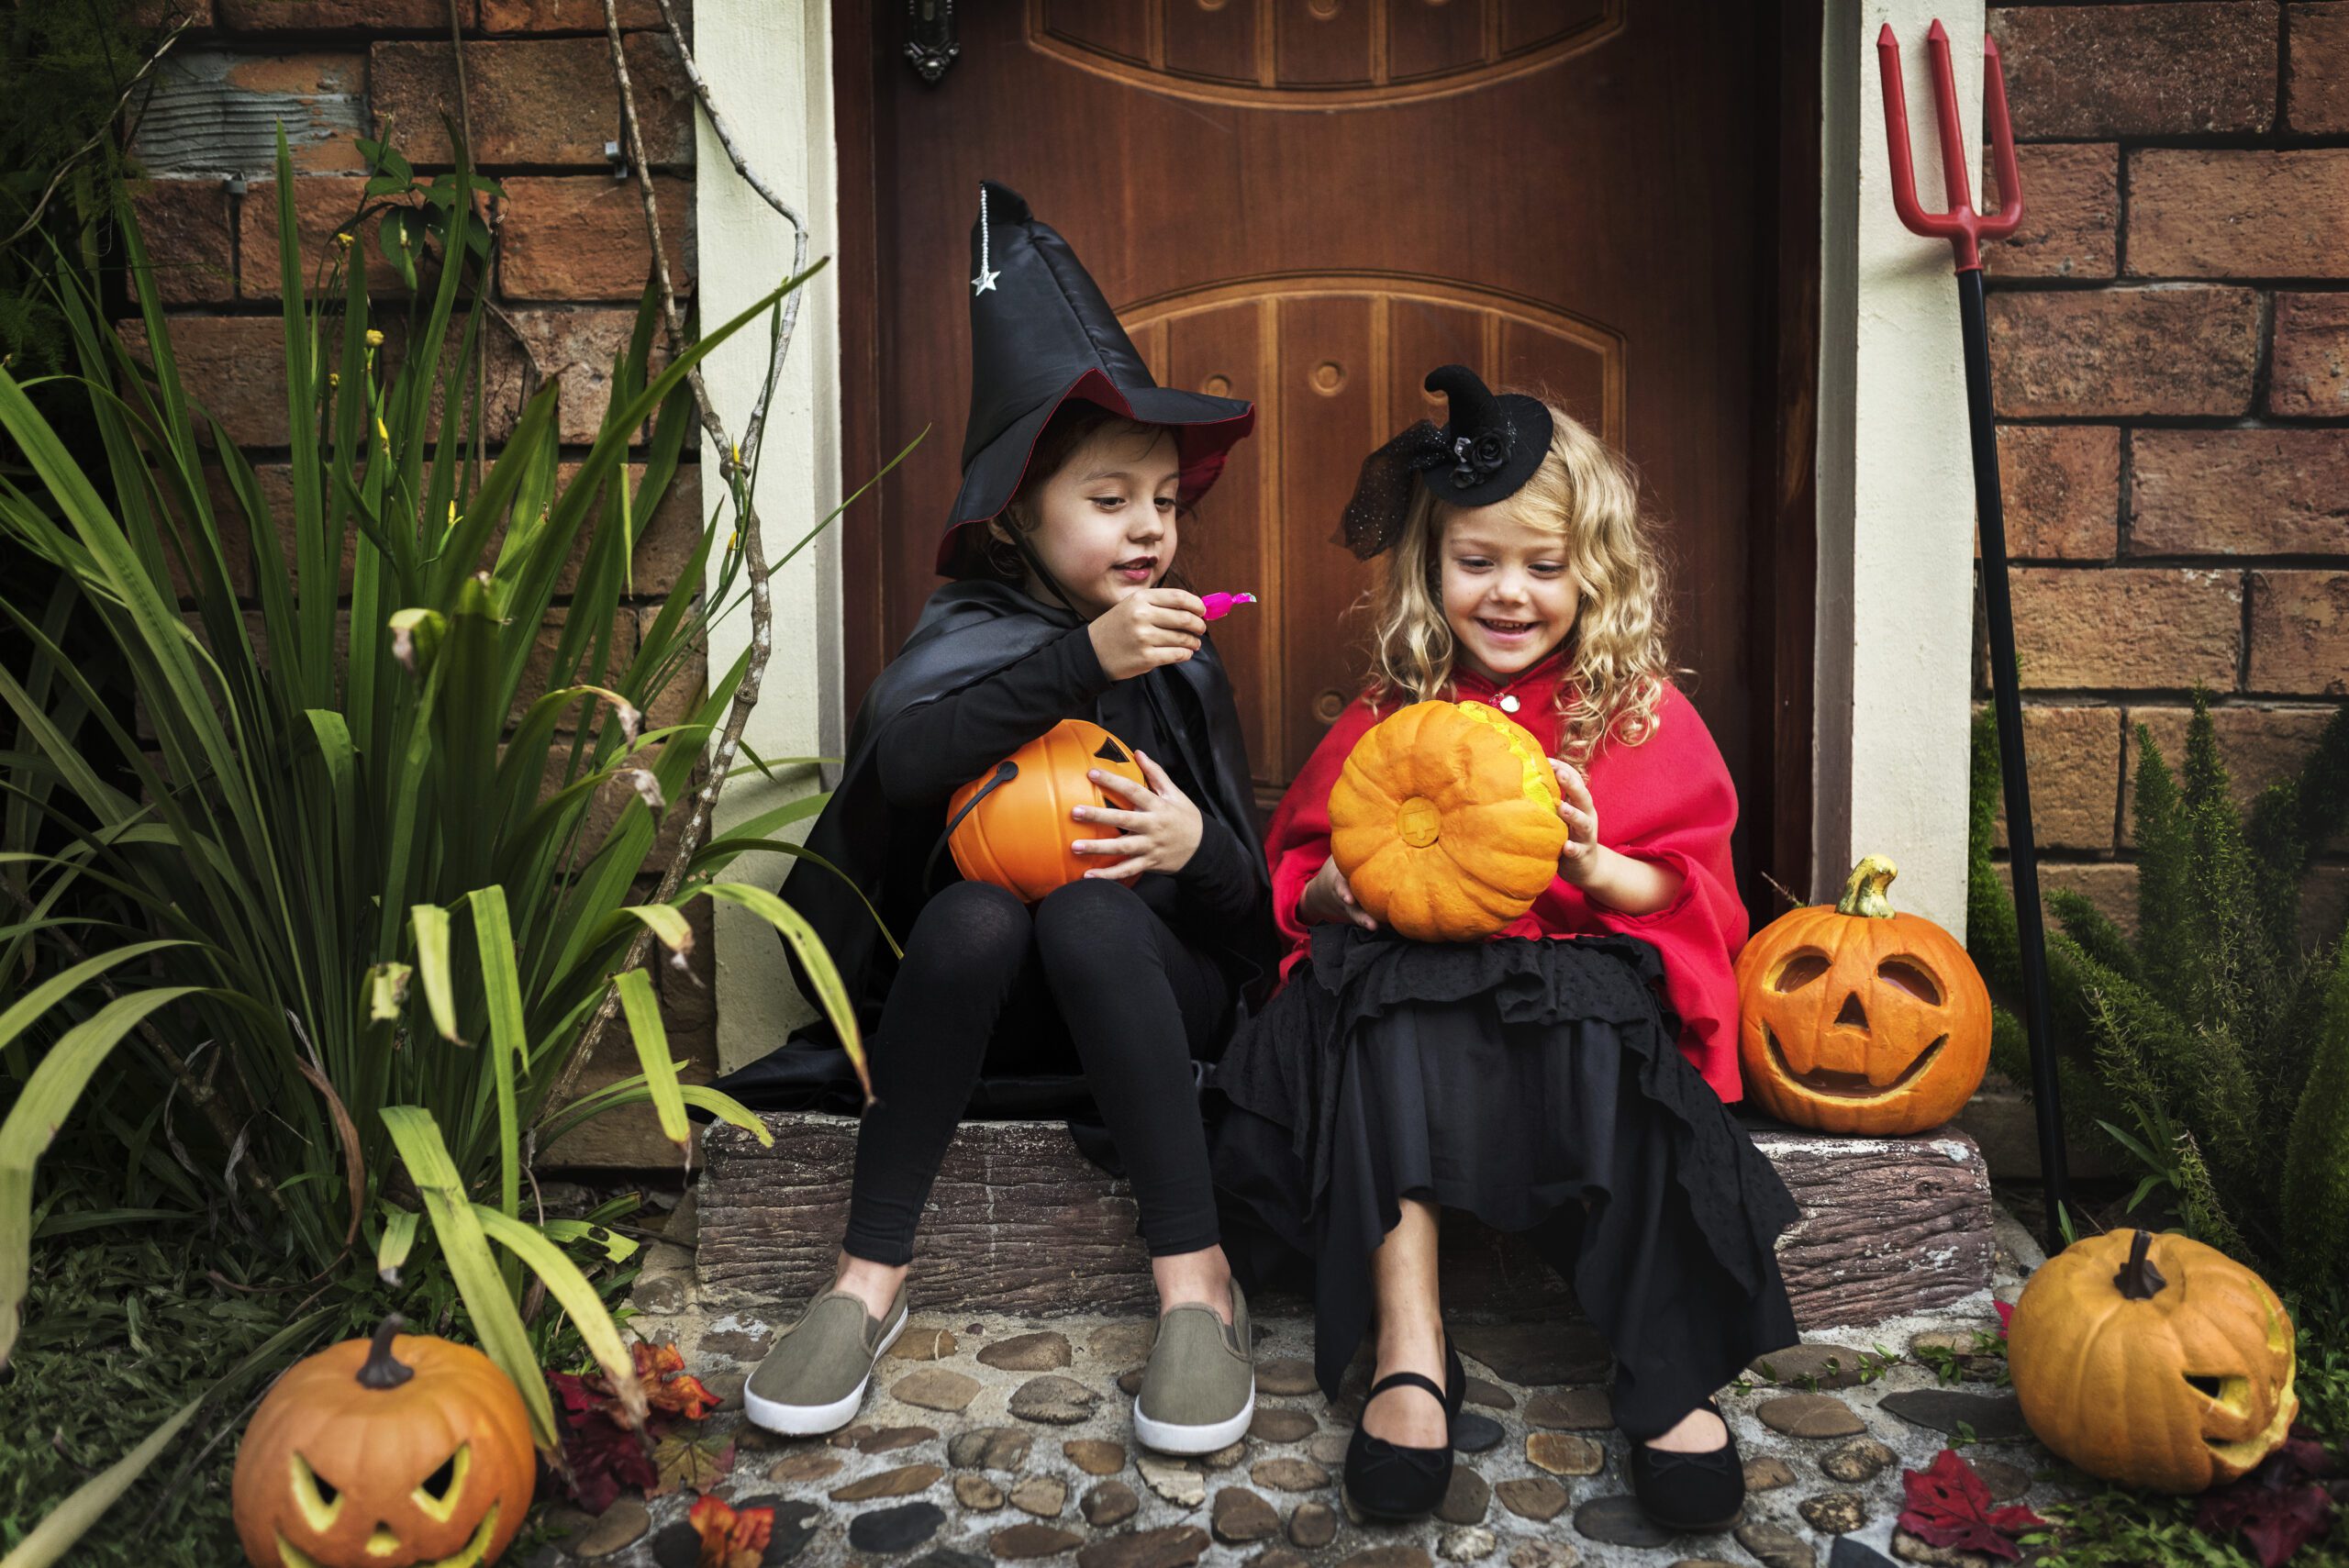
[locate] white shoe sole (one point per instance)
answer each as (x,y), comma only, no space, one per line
(808,1420)
(1165,1436)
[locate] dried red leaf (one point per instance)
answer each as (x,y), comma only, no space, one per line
(730,1537)
(2277,1507)
(2006,1315)
(659,1371)
(605,1458)
(1950,1506)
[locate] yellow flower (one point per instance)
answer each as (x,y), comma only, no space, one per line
(341,239)
(733,541)
(452,514)
(334,378)
(375,339)
(382,434)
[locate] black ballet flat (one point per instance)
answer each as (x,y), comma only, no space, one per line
(1393,1484)
(1690,1494)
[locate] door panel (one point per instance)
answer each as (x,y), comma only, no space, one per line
(1312,203)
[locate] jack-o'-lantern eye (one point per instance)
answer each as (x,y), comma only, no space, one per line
(1800,971)
(319,1499)
(1904,975)
(437,1493)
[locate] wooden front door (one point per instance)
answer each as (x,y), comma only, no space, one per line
(1312,202)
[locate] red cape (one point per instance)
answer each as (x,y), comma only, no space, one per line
(1667,800)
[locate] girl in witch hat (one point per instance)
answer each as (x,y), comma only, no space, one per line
(1078,477)
(1564,1078)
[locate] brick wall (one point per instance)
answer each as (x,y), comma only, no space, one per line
(2170,349)
(572,258)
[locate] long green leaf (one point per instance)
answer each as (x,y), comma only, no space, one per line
(572,1290)
(831,994)
(457,1224)
(651,1039)
(49,1097)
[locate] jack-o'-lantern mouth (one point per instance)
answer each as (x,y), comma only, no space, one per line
(1850,1086)
(466,1556)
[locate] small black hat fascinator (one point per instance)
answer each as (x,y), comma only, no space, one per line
(1485,451)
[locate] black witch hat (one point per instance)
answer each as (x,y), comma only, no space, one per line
(1041,334)
(1486,448)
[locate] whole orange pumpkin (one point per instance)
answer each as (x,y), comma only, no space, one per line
(2154,1360)
(401,1452)
(1854,1019)
(1011,825)
(1445,821)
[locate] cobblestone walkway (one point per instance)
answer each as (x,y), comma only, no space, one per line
(993,1440)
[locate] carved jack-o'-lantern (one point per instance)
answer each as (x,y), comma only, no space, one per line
(1011,825)
(1854,1019)
(2154,1360)
(396,1452)
(1445,821)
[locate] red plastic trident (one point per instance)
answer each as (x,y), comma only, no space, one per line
(1963,227)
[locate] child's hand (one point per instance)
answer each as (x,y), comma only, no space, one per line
(1141,631)
(1578,862)
(1327,900)
(1161,833)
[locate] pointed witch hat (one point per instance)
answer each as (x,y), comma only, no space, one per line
(1041,334)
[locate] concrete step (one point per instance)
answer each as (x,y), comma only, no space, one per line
(1021,1222)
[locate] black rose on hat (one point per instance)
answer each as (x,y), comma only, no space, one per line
(1485,451)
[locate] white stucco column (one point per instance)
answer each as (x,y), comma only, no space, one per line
(1896,486)
(770,67)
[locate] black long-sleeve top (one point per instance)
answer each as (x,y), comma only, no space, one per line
(927,752)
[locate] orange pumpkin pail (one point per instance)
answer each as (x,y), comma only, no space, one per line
(1011,826)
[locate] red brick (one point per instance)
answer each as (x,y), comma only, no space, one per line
(2074,776)
(584,237)
(502,373)
(342,15)
(2117,352)
(686,687)
(185,223)
(2316,85)
(2075,72)
(2062,484)
(323,206)
(2071,211)
(216,113)
(2245,491)
(2309,373)
(534,101)
(2109,885)
(2299,632)
(2126,628)
(2212,213)
(2258,745)
(576,346)
(576,16)
(235,365)
(664,542)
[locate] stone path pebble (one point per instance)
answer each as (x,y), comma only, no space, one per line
(988,1441)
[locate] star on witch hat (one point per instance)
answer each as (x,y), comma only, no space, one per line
(1041,334)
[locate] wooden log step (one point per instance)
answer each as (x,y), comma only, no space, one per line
(1021,1222)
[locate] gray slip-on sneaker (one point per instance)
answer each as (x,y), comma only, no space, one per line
(813,1378)
(1200,1389)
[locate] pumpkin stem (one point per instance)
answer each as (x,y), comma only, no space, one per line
(380,1369)
(1863,889)
(2138,1279)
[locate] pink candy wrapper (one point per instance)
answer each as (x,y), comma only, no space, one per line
(1222,604)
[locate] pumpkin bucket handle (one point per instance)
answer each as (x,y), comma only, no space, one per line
(381,1369)
(1864,889)
(2138,1279)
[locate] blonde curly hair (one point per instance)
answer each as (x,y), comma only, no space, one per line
(1586,494)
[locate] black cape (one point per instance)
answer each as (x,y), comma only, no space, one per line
(967,631)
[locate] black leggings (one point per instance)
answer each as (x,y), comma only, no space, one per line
(1090,980)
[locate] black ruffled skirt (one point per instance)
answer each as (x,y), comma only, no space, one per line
(1535,1084)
